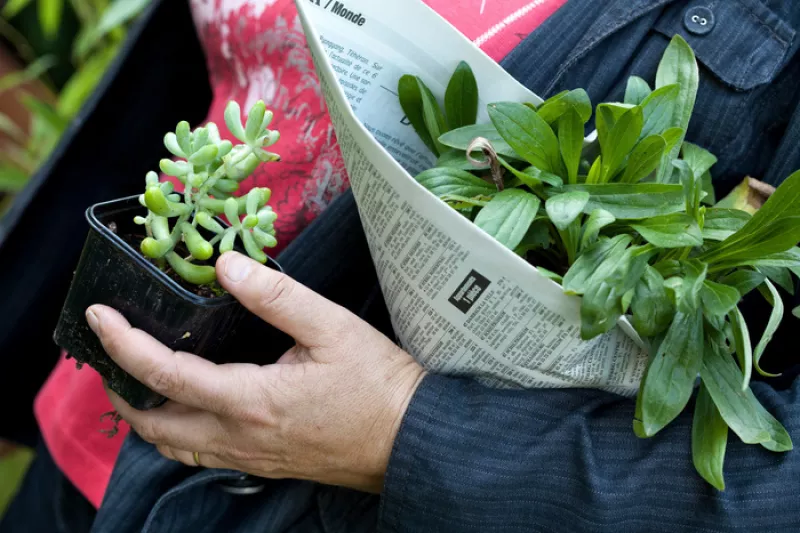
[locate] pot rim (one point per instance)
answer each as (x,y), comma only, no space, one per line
(138,258)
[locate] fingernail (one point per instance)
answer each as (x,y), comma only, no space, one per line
(237,267)
(91,318)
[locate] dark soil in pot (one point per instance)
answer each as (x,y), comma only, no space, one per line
(113,272)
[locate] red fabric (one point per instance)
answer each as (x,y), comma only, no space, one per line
(256,50)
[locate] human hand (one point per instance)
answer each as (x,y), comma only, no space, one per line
(328,411)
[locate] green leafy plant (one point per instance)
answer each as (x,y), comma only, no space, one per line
(211,170)
(628,222)
(103,25)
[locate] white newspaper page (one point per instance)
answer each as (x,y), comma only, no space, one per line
(461,303)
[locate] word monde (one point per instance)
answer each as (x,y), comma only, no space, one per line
(338,8)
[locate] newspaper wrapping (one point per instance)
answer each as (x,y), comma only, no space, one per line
(460,302)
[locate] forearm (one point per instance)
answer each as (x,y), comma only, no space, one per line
(469,458)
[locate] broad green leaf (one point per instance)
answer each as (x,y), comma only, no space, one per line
(508,216)
(644,159)
(707,185)
(432,116)
(692,188)
(632,200)
(718,299)
(744,281)
(462,202)
(570,139)
(722,223)
(537,236)
(117,14)
(50,12)
(461,138)
(598,219)
(564,208)
(604,301)
(12,7)
(410,97)
(774,321)
(675,230)
(10,128)
(678,66)
(781,276)
(578,100)
(549,274)
(595,172)
(636,90)
(528,134)
(12,179)
(709,440)
(657,110)
(740,409)
(744,350)
(617,141)
(531,176)
(746,249)
(694,274)
(672,372)
(651,308)
(789,259)
(461,98)
(444,180)
(458,159)
(671,136)
(699,159)
(578,278)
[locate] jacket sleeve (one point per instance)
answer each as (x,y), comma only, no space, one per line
(469,458)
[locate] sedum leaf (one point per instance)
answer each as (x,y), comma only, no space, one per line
(508,216)
(709,440)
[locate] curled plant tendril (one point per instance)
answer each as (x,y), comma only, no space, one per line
(211,170)
(485,146)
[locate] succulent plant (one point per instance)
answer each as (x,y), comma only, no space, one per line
(210,170)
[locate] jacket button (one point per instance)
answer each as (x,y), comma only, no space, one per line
(244,485)
(699,20)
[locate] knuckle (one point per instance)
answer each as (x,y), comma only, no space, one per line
(148,432)
(166,381)
(279,292)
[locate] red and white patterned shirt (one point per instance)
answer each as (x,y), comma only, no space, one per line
(256,50)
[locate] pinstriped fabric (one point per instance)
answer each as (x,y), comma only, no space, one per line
(567,461)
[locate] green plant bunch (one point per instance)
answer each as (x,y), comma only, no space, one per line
(211,170)
(628,222)
(103,28)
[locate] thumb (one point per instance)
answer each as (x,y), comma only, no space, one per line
(281,301)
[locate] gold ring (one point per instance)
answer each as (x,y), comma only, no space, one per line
(196,457)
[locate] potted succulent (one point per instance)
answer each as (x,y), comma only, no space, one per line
(152,256)
(627,221)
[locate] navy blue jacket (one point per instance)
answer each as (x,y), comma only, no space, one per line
(473,459)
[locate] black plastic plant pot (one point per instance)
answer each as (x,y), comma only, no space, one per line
(114,273)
